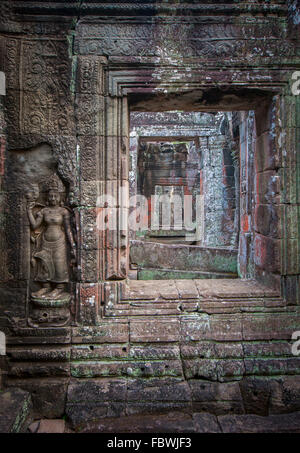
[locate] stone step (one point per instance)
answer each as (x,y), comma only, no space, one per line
(15,410)
(183,257)
(169,274)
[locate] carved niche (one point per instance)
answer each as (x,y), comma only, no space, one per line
(52,253)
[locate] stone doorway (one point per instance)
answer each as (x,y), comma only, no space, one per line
(184,171)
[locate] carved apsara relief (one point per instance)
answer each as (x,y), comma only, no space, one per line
(43,225)
(52,254)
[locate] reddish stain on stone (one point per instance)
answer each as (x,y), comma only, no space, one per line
(245,223)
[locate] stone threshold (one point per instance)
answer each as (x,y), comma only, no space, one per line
(198,289)
(180,297)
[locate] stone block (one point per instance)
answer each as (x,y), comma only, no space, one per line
(106,332)
(96,351)
(187,289)
(267,187)
(93,399)
(205,327)
(115,123)
(267,220)
(266,154)
(267,349)
(292,257)
(267,253)
(230,369)
(203,349)
(229,350)
(256,392)
(195,328)
(288,423)
(85,369)
(158,407)
(291,289)
(89,114)
(97,390)
(88,232)
(201,369)
(154,352)
(206,423)
(89,75)
(165,389)
(160,330)
(48,395)
(89,266)
(183,257)
(269,367)
(79,414)
(89,300)
(158,423)
(279,326)
(215,397)
(41,369)
(40,353)
(51,426)
(91,157)
(285,395)
(140,290)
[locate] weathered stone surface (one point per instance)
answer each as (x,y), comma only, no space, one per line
(48,395)
(268,187)
(51,426)
(107,332)
(201,369)
(267,349)
(217,398)
(271,326)
(158,390)
(267,253)
(154,352)
(153,331)
(34,354)
(187,290)
(205,327)
(167,423)
(289,423)
(33,427)
(97,390)
(278,366)
(256,394)
(185,257)
(266,158)
(92,352)
(285,396)
(206,423)
(80,413)
(266,220)
(15,410)
(126,368)
(94,399)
